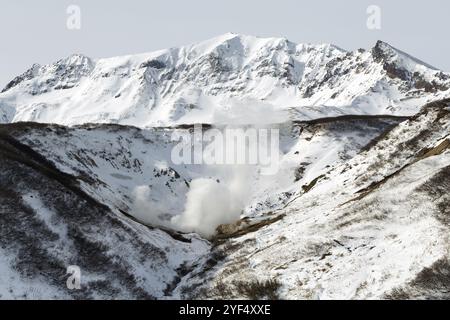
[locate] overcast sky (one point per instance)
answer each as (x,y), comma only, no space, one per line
(35,31)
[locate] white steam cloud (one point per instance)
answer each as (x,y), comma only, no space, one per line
(210,203)
(145,209)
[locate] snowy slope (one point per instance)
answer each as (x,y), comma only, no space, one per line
(94,206)
(374,227)
(48,223)
(338,221)
(213,81)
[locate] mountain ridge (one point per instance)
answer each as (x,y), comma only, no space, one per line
(229,74)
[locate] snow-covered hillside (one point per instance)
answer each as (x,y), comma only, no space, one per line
(48,223)
(376,226)
(76,188)
(212,81)
(112,162)
(365,218)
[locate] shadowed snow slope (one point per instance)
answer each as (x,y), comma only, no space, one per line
(47,223)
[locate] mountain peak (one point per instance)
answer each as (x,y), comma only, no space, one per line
(384,52)
(27,75)
(77,59)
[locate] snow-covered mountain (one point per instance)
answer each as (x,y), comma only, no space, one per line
(358,208)
(213,81)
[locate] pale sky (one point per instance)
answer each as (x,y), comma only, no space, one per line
(35,31)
